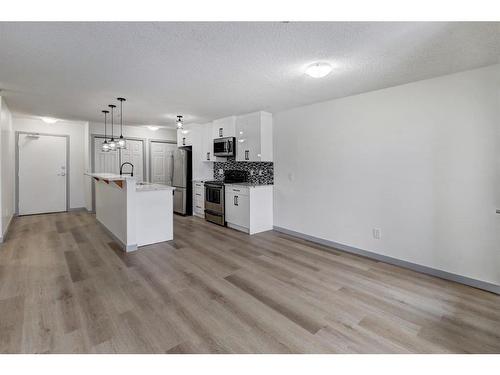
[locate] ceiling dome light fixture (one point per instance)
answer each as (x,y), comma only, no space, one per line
(105,145)
(318,70)
(49,120)
(122,143)
(112,142)
(179,122)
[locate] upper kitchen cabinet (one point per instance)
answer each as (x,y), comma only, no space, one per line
(254,137)
(224,127)
(207,145)
(185,136)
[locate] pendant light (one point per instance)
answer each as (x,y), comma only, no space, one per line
(105,144)
(112,142)
(179,122)
(122,143)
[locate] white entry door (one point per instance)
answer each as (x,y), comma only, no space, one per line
(42,174)
(162,162)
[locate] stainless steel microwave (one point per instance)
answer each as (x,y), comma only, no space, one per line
(225,146)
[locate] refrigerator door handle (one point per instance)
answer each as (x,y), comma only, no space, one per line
(172,170)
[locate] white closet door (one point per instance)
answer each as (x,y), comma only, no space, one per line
(162,162)
(42,174)
(105,162)
(134,154)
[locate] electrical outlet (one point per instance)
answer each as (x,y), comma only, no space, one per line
(221,171)
(377,233)
(260,172)
(251,172)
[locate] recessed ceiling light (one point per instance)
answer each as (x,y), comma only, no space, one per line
(153,128)
(49,120)
(318,70)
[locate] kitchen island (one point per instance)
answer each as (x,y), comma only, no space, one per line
(134,213)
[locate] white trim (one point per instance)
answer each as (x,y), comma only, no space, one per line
(397,262)
(78,209)
(238,228)
(4,234)
(124,247)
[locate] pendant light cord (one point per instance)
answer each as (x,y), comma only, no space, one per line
(112,106)
(112,134)
(105,124)
(121,100)
(121,118)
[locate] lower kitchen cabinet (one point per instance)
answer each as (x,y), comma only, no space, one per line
(198,199)
(249,208)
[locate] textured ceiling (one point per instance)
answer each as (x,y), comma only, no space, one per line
(210,70)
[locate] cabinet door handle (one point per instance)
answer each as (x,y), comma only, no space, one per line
(220,132)
(246,155)
(235,200)
(208,155)
(183,141)
(235,190)
(198,194)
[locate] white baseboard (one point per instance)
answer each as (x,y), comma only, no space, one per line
(124,247)
(397,262)
(4,234)
(78,209)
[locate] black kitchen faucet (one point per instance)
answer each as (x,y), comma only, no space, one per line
(131,173)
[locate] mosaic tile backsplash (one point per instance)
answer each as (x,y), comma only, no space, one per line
(266,178)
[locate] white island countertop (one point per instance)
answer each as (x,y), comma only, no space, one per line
(140,185)
(149,186)
(110,176)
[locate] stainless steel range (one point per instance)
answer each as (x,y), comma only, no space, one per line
(214,202)
(214,196)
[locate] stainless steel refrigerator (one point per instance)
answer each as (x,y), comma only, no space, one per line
(181,180)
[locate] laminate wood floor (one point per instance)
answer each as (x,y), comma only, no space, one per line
(66,288)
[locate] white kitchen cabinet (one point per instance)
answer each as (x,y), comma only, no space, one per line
(249,208)
(254,137)
(185,136)
(199,199)
(207,143)
(237,210)
(224,127)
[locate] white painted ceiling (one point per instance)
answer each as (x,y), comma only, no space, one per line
(209,70)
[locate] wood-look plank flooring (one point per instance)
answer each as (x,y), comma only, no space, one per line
(65,287)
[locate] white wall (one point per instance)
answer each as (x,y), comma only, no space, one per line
(7,159)
(419,161)
(76,132)
(87,168)
(138,132)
